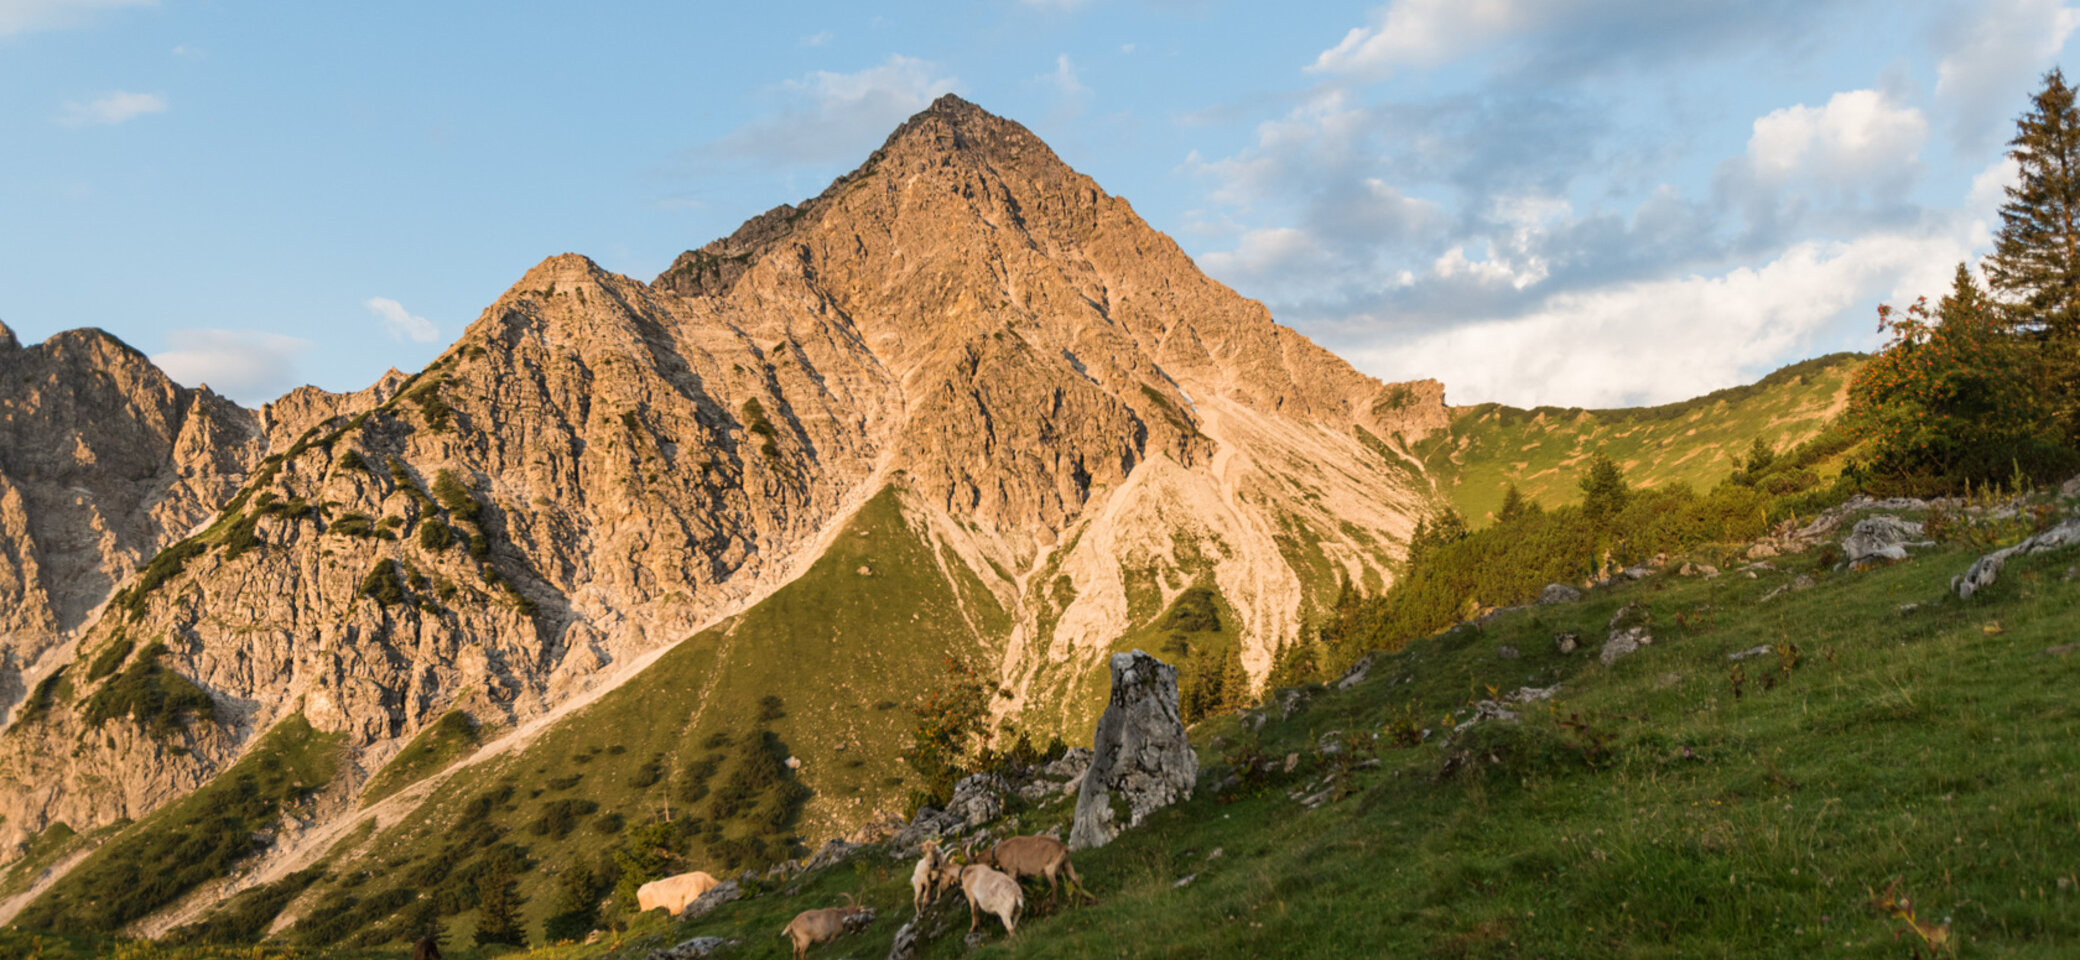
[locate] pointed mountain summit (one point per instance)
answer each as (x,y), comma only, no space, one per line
(962,404)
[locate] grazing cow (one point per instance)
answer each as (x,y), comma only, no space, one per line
(674,893)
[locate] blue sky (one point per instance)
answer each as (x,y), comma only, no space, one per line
(1593,202)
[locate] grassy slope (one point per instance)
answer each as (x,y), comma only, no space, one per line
(152,862)
(443,742)
(1918,746)
(1489,446)
(865,643)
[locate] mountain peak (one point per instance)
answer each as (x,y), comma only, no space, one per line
(8,341)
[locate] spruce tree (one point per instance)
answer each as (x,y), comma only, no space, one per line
(498,905)
(2036,259)
(2035,266)
(1234,680)
(1604,492)
(1513,505)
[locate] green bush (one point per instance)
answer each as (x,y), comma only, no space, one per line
(456,497)
(384,584)
(435,536)
(111,658)
(163,567)
(353,525)
(155,698)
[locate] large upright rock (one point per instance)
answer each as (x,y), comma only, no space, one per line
(1141,760)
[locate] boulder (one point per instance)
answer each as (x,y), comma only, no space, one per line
(1628,633)
(693,949)
(1357,673)
(1566,642)
(1882,537)
(978,799)
(1140,758)
(1985,570)
(717,895)
(2071,488)
(1558,593)
(834,851)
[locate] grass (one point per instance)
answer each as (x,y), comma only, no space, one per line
(1695,441)
(1649,812)
(441,743)
(201,837)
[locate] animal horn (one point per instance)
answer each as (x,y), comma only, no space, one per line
(848,899)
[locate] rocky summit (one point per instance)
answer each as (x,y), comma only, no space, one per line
(963,373)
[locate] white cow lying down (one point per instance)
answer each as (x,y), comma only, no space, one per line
(673,893)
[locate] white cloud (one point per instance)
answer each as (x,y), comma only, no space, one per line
(1665,340)
(112,109)
(1992,61)
(249,366)
(829,117)
(23,16)
(1425,33)
(1064,78)
(817,39)
(1859,136)
(400,323)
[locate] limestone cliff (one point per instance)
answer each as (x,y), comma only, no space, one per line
(103,461)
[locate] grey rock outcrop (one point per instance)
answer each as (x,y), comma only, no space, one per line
(978,799)
(1141,760)
(1628,633)
(1882,537)
(693,949)
(1558,593)
(1985,570)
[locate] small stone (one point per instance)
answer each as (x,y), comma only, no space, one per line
(1566,642)
(1755,651)
(1184,881)
(866,571)
(1506,652)
(1558,593)
(1292,762)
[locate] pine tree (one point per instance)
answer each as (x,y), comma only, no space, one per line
(577,905)
(2035,265)
(2036,257)
(1604,492)
(1234,680)
(1514,505)
(498,905)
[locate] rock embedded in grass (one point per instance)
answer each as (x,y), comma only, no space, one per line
(1141,759)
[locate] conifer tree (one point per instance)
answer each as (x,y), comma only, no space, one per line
(1513,505)
(498,905)
(2036,257)
(1604,492)
(2035,265)
(1234,682)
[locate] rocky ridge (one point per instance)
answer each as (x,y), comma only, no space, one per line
(1071,415)
(103,461)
